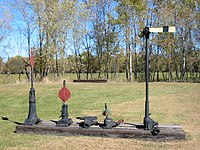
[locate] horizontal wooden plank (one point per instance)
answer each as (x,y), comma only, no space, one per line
(167,133)
(92,81)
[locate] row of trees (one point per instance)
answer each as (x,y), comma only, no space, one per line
(101,36)
(19,65)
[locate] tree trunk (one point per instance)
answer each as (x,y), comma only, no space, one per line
(131,65)
(116,69)
(57,67)
(128,53)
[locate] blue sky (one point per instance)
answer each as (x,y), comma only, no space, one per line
(15,42)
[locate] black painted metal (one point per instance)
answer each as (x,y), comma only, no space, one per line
(146,33)
(88,121)
(108,122)
(32,115)
(16,122)
(64,121)
(149,124)
(64,82)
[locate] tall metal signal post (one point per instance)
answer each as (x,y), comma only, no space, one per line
(150,124)
(32,115)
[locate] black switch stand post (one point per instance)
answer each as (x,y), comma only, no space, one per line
(149,124)
(64,94)
(32,115)
(64,121)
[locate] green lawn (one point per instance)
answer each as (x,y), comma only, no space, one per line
(177,103)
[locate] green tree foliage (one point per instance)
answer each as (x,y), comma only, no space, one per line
(54,18)
(101,36)
(130,14)
(16,65)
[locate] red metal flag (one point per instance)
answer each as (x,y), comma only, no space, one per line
(64,94)
(32,57)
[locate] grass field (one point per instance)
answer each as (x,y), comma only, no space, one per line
(177,103)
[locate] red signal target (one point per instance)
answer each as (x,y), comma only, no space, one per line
(64,94)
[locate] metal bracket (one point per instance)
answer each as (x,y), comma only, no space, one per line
(88,121)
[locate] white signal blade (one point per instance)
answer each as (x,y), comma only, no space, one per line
(163,29)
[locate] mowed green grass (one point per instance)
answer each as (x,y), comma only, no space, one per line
(170,103)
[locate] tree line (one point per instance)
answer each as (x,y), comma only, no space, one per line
(101,37)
